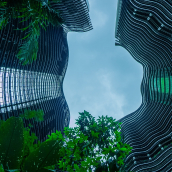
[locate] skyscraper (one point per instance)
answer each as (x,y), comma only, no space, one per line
(39,85)
(144,29)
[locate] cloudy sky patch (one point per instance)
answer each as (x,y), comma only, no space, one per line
(101,78)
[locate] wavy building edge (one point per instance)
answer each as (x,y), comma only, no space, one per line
(144,29)
(39,85)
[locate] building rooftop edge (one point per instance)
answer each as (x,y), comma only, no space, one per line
(118,15)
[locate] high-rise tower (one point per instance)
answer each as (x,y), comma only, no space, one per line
(39,85)
(144,29)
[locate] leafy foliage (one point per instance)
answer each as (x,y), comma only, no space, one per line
(82,145)
(39,12)
(75,150)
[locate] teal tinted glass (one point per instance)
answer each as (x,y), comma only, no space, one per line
(161,86)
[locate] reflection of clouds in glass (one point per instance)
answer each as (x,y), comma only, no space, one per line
(26,86)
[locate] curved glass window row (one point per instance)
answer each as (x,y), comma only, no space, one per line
(161,86)
(27,86)
(144,29)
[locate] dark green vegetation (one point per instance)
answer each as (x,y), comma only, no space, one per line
(39,12)
(18,152)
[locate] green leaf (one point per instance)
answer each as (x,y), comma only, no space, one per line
(11,132)
(76,167)
(2,4)
(26,36)
(46,155)
(120,162)
(43,25)
(25,19)
(123,149)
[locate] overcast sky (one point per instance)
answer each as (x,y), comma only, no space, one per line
(101,78)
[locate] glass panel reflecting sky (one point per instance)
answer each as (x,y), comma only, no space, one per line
(26,86)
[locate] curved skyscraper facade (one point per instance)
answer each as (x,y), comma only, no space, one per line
(144,29)
(39,85)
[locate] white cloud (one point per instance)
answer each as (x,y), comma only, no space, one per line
(111,101)
(98,18)
(99,99)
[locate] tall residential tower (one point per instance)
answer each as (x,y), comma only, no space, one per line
(144,29)
(39,85)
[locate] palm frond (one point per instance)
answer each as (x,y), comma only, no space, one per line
(39,13)
(28,51)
